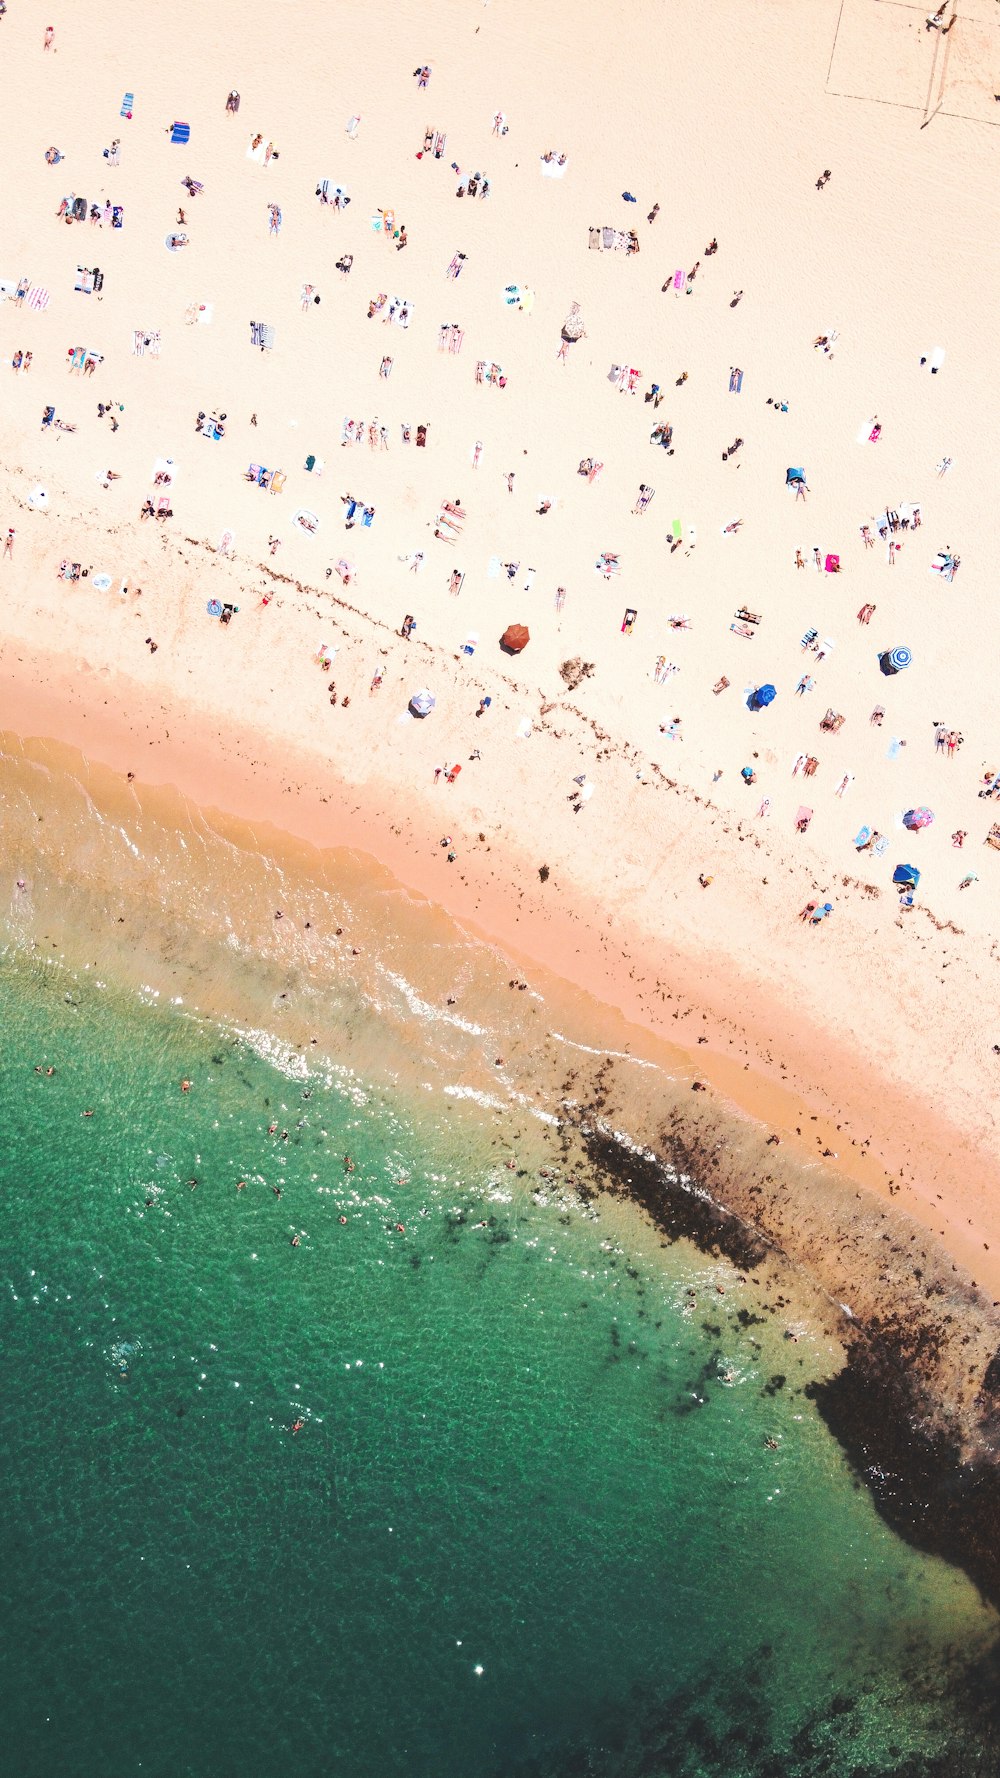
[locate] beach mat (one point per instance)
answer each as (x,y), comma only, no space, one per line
(128,105)
(180,132)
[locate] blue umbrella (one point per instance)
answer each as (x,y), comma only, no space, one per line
(213,608)
(422,703)
(764,695)
(899,658)
(906,875)
(794,475)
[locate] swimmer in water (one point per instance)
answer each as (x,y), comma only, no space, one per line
(86,1114)
(296,1240)
(276,1190)
(298,1426)
(185,1086)
(343,1218)
(348,1164)
(241,1185)
(271,1129)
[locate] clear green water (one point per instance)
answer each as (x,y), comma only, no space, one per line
(534,1447)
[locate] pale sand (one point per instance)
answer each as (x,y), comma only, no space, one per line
(880,1023)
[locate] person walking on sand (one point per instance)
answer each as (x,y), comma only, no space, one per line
(49,37)
(8,542)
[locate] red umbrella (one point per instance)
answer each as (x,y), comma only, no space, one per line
(514,638)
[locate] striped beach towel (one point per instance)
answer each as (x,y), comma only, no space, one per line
(128,105)
(38,297)
(180,132)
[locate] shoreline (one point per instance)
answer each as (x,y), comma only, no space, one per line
(780,1066)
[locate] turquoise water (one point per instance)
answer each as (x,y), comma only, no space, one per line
(529,1523)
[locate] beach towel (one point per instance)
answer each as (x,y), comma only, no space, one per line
(862,836)
(180,132)
(735,381)
(117,216)
(352,126)
(128,105)
(880,846)
(493,568)
(804,815)
(608,239)
(226,542)
(256,154)
(278,481)
(937,359)
(594,240)
(680,279)
(38,297)
(676,530)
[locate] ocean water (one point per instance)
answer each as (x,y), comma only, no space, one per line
(417,1454)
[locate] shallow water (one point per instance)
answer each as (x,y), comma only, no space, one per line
(557,1501)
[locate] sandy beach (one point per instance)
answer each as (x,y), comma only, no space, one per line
(878,1021)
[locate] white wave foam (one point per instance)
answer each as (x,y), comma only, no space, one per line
(423,1009)
(619,1055)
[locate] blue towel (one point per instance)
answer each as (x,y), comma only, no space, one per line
(181,132)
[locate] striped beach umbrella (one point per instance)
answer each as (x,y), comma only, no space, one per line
(899,658)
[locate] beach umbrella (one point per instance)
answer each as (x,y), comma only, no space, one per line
(764,695)
(914,819)
(422,703)
(794,475)
(214,608)
(514,638)
(906,875)
(38,498)
(893,660)
(573,328)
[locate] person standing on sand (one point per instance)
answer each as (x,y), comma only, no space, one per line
(8,542)
(49,37)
